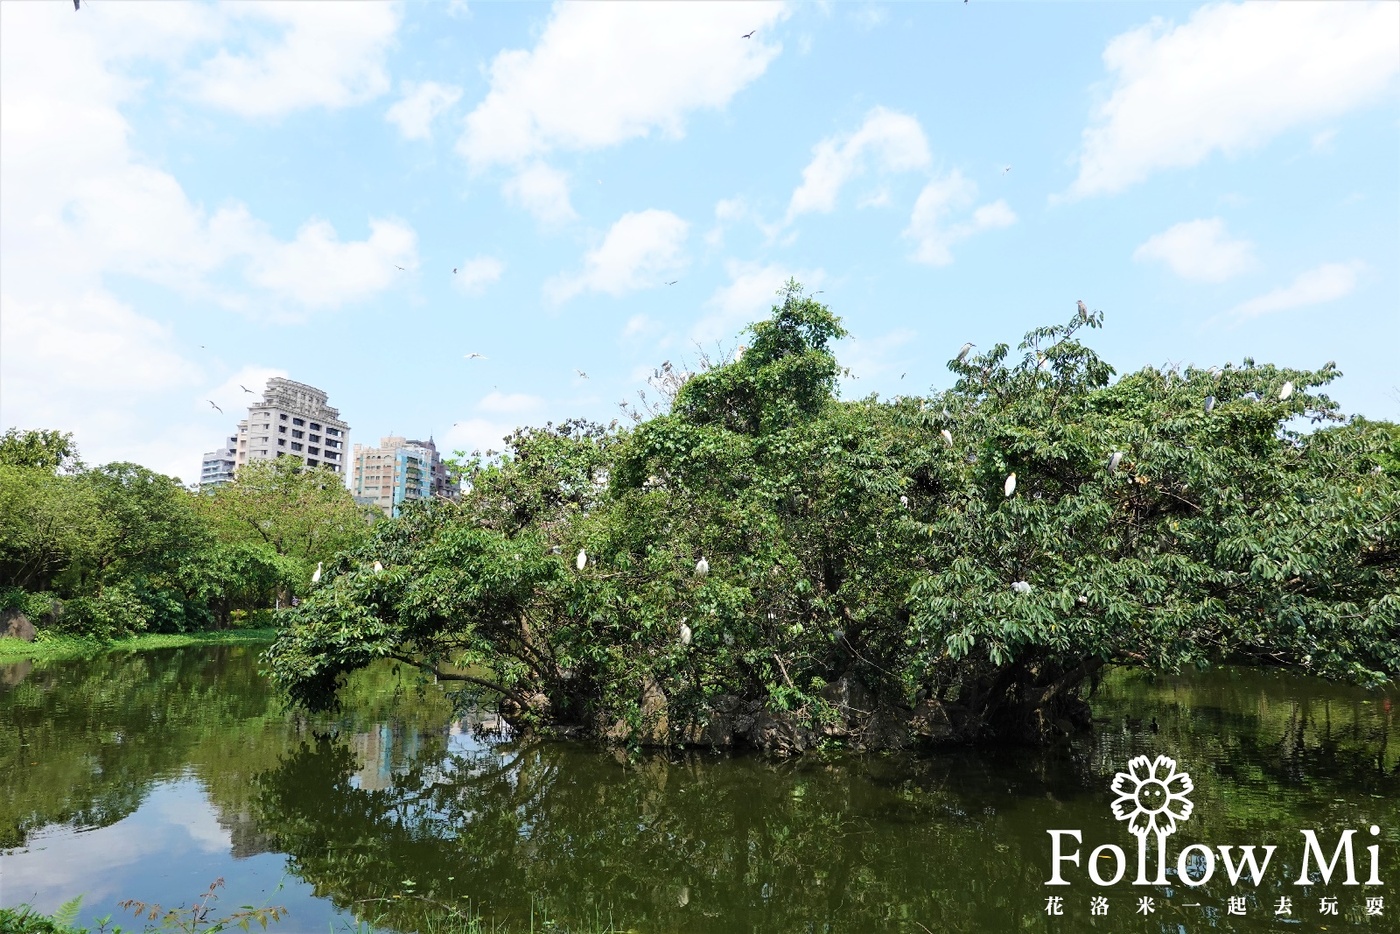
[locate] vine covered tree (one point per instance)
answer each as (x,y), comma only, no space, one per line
(767,564)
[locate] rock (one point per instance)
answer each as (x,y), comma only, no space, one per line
(13,674)
(930,723)
(15,625)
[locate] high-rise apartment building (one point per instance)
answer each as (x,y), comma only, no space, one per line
(219,465)
(397,471)
(293,418)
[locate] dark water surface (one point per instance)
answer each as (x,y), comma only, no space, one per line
(150,775)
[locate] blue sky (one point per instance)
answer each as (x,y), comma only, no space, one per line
(198,196)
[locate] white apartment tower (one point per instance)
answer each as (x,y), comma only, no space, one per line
(293,418)
(217,468)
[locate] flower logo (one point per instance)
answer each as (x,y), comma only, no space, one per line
(1152,796)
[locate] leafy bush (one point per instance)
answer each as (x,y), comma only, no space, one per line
(117,611)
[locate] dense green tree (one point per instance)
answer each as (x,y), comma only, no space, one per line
(41,449)
(872,569)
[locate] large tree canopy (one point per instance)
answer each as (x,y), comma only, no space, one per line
(872,574)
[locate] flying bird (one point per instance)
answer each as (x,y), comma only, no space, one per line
(398,267)
(474,356)
(581,374)
(454,270)
(702,567)
(316,575)
(211,402)
(1286,391)
(747,35)
(673,282)
(246,389)
(1005,170)
(1010,485)
(964,351)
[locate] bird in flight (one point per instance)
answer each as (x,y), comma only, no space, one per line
(581,373)
(746,35)
(211,402)
(454,270)
(1005,170)
(246,389)
(398,267)
(673,282)
(475,356)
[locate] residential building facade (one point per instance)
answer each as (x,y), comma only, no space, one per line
(396,472)
(293,418)
(219,465)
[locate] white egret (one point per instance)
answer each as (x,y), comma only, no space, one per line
(1083,599)
(1216,372)
(702,567)
(728,639)
(685,634)
(947,437)
(1010,486)
(1021,587)
(904,501)
(581,560)
(962,354)
(739,354)
(1210,404)
(1286,391)
(316,575)
(1114,461)
(378,568)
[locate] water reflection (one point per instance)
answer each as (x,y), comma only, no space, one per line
(400,796)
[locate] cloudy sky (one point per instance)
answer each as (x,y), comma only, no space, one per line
(197,196)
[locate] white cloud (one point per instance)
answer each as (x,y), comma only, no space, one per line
(318,270)
(750,295)
(420,105)
(637,251)
(1200,250)
(603,73)
(638,327)
(1229,80)
(325,54)
(893,141)
(476,274)
(543,191)
(931,223)
(1326,283)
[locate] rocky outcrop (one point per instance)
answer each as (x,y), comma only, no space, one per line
(15,625)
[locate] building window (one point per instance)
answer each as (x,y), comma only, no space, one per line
(333,432)
(313,450)
(315,426)
(281,442)
(315,437)
(298,421)
(298,434)
(282,416)
(310,463)
(281,429)
(296,446)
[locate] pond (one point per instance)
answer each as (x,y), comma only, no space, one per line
(149,776)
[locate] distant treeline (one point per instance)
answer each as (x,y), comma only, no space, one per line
(119,549)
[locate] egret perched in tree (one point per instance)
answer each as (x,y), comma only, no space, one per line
(1010,486)
(378,568)
(685,634)
(739,354)
(1216,372)
(1114,461)
(904,501)
(963,352)
(1083,599)
(1210,403)
(947,437)
(581,560)
(1286,391)
(316,575)
(702,567)
(1021,587)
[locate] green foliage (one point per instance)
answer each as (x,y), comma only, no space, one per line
(855,540)
(38,450)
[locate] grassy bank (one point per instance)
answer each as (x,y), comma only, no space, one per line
(51,646)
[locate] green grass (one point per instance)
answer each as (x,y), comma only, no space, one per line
(51,646)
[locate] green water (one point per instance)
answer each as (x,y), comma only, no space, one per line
(150,775)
